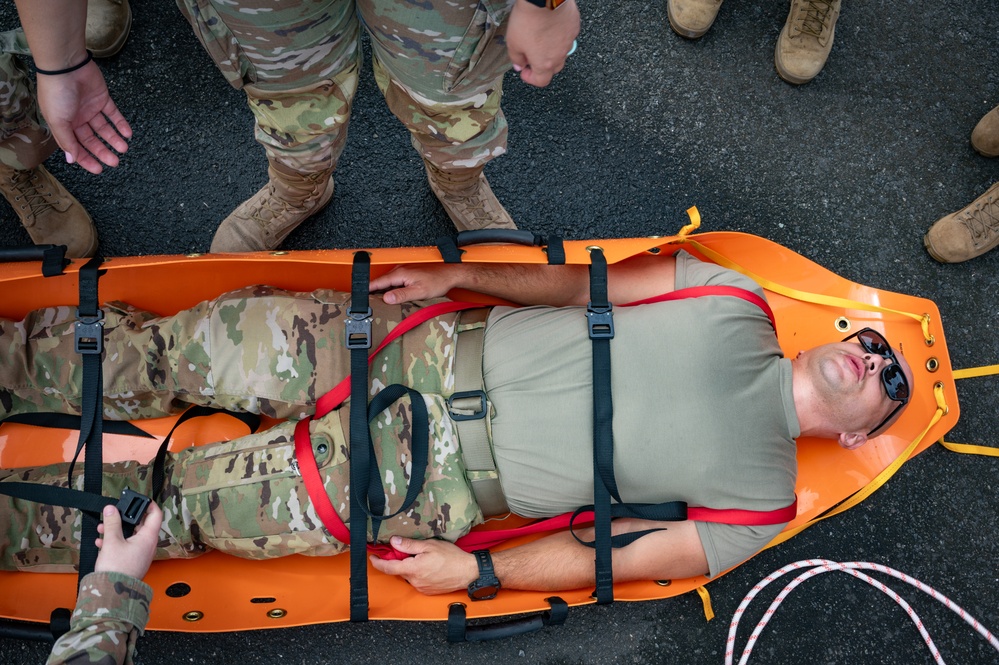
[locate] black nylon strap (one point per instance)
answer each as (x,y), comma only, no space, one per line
(89,341)
(603,436)
(67,421)
(251,420)
(419,453)
(358,314)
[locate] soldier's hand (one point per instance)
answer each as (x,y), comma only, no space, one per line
(130,556)
(538,39)
(416,282)
(434,567)
(83,118)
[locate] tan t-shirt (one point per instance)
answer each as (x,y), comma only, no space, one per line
(703,409)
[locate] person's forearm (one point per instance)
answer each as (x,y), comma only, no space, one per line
(56,31)
(111,611)
(527,284)
(554,563)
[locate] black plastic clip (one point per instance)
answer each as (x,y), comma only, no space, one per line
(132,506)
(89,333)
(358,329)
(600,320)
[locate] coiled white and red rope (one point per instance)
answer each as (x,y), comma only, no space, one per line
(817,567)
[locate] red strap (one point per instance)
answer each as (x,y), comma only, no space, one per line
(699,291)
(485,539)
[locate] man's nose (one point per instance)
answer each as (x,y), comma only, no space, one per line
(874,363)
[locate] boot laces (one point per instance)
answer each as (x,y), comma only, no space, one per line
(813,17)
(982,221)
(266,208)
(34,193)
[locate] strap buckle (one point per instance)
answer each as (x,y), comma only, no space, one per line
(132,506)
(600,319)
(478,411)
(89,337)
(358,329)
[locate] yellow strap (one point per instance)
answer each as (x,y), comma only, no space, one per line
(973,372)
(709,613)
(804,296)
(968,449)
(965,448)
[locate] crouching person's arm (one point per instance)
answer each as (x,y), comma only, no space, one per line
(113,605)
(553,563)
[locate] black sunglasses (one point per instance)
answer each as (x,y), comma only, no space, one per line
(892,377)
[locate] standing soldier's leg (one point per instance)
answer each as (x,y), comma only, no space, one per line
(297,62)
(47,211)
(440,66)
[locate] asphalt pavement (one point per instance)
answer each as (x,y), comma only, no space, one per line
(849,170)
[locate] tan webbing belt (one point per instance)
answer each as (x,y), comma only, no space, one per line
(469,409)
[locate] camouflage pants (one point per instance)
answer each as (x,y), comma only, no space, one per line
(258,350)
(25,141)
(439,64)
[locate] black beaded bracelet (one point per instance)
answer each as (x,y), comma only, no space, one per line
(56,72)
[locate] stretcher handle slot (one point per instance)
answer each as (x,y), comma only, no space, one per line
(458,629)
(53,257)
(30,631)
(450,252)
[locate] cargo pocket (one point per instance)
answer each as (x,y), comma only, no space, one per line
(247,498)
(218,40)
(481,31)
(445,507)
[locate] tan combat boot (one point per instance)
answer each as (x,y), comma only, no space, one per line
(985,136)
(265,220)
(50,213)
(804,43)
(692,18)
(967,233)
(468,199)
(108,23)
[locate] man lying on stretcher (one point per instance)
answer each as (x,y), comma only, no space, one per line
(706,411)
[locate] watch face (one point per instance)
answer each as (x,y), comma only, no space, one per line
(484,592)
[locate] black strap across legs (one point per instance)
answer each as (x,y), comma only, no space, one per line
(89,341)
(358,339)
(600,321)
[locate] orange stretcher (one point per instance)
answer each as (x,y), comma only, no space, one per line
(217,592)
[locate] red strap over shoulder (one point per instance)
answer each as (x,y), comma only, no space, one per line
(699,291)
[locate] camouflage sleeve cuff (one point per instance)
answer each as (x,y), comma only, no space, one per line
(110,596)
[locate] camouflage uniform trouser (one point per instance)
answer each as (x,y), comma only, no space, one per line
(25,140)
(258,350)
(439,63)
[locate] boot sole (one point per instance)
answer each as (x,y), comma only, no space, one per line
(685,32)
(929,250)
(120,42)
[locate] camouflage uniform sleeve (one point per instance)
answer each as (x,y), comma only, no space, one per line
(111,612)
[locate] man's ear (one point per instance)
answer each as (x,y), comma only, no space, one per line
(852,440)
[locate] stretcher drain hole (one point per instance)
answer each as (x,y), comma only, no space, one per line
(276,613)
(664,582)
(194,615)
(178,590)
(932,365)
(843,324)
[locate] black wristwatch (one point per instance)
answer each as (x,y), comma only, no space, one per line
(488,585)
(550,4)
